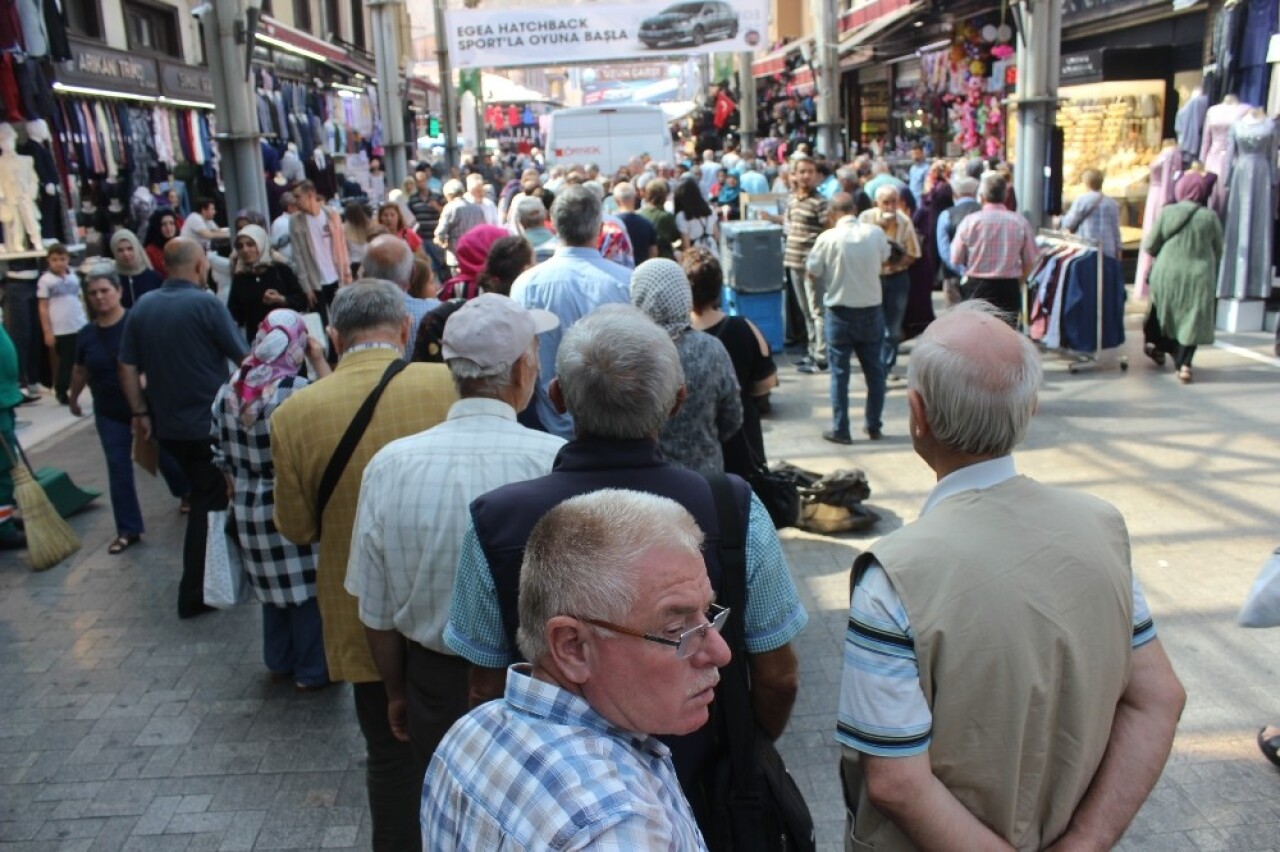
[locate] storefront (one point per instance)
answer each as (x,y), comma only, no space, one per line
(786,111)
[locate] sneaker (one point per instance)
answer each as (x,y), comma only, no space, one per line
(813,367)
(806,361)
(836,438)
(873,434)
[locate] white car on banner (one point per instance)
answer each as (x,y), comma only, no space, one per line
(501,38)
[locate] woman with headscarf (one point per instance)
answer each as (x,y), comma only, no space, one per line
(711,410)
(133,268)
(282,574)
(261,283)
(472,254)
(97,359)
(162,228)
(1186,243)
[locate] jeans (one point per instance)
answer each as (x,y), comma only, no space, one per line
(393,775)
(894,289)
(292,642)
(22,320)
(117,445)
(856,331)
(208,494)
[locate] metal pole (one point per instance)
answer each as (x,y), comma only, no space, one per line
(1037,102)
(746,102)
(827,80)
(447,92)
(385,17)
(241,162)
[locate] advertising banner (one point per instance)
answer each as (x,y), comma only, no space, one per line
(497,38)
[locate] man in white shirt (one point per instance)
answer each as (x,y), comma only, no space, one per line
(475,189)
(845,265)
(200,225)
(280,226)
(414,509)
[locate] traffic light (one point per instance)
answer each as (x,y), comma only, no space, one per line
(433,126)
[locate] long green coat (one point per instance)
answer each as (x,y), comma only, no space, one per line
(1187,245)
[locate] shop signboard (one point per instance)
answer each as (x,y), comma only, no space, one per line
(1081,67)
(1076,12)
(186,82)
(556,34)
(112,70)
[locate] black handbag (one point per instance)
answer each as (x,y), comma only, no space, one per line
(755,803)
(776,491)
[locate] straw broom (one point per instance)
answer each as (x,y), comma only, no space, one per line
(49,538)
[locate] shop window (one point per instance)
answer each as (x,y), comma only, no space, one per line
(357,24)
(302,15)
(83,18)
(152,28)
(332,20)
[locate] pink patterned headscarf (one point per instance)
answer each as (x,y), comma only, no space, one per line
(278,351)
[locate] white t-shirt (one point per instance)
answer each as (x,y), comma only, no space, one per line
(194,225)
(322,245)
(66,311)
(700,231)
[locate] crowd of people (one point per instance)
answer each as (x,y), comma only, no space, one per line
(473,458)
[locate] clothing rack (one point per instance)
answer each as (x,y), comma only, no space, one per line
(1086,362)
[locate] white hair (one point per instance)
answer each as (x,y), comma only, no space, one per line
(973,406)
(886,191)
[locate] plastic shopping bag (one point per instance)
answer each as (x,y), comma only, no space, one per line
(1262,606)
(225,583)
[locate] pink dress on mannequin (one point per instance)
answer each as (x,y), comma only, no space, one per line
(1213,149)
(1159,194)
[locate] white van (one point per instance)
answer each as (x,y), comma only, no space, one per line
(608,136)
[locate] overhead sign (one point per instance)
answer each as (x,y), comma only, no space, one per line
(496,38)
(104,68)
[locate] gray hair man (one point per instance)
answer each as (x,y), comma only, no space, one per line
(413,506)
(895,282)
(1038,599)
(460,214)
(571,284)
(997,248)
(477,194)
(618,621)
(530,187)
(389,258)
(531,223)
(1094,216)
(619,374)
(644,237)
(369,328)
(965,190)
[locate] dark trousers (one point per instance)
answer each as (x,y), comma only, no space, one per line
(1155,336)
(795,326)
(64,348)
(860,332)
(393,775)
(22,321)
(117,445)
(293,642)
(895,290)
(1004,293)
(436,687)
(208,494)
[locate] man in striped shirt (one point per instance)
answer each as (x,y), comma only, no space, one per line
(997,249)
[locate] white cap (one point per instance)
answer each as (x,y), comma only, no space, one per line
(493,331)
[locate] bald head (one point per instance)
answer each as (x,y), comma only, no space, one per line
(183,258)
(389,259)
(975,381)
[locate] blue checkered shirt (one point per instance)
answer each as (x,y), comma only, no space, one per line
(1095,217)
(541,770)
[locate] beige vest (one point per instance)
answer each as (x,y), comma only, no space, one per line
(1021,601)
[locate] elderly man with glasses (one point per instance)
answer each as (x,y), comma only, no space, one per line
(618,620)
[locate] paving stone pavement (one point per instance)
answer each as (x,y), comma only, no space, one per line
(122,728)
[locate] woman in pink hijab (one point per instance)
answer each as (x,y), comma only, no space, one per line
(282,574)
(472,252)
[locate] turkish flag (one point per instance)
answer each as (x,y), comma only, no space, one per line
(724,109)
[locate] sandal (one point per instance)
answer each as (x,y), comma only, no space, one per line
(1150,350)
(123,543)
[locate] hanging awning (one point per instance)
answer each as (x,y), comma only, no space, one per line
(276,34)
(860,25)
(776,62)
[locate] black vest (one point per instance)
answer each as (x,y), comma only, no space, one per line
(503,519)
(960,211)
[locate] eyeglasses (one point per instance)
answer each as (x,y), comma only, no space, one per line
(687,644)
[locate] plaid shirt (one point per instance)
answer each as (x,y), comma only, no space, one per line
(280,572)
(1095,217)
(994,243)
(806,218)
(541,770)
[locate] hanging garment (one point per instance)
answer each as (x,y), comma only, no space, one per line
(34,34)
(270,158)
(1259,24)
(1159,193)
(10,27)
(291,167)
(1225,45)
(1188,124)
(1080,303)
(55,26)
(1246,258)
(163,141)
(9,93)
(50,204)
(263,106)
(1213,149)
(104,133)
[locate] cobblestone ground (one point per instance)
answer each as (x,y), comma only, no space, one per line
(123,728)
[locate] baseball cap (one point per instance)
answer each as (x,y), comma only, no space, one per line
(493,331)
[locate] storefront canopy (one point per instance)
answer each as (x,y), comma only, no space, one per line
(859,26)
(276,34)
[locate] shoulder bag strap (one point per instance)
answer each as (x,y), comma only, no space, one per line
(347,446)
(734,692)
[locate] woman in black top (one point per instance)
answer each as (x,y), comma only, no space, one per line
(261,285)
(133,268)
(752,361)
(97,348)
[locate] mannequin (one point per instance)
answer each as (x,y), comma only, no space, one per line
(1213,147)
(19,189)
(1245,272)
(52,226)
(319,170)
(291,165)
(1160,193)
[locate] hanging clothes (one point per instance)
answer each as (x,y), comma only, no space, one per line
(1246,258)
(1188,124)
(1225,46)
(10,27)
(1214,149)
(1254,73)
(55,28)
(34,33)
(1159,193)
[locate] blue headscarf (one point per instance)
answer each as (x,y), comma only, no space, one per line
(729,194)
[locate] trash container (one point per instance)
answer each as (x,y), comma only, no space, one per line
(754,280)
